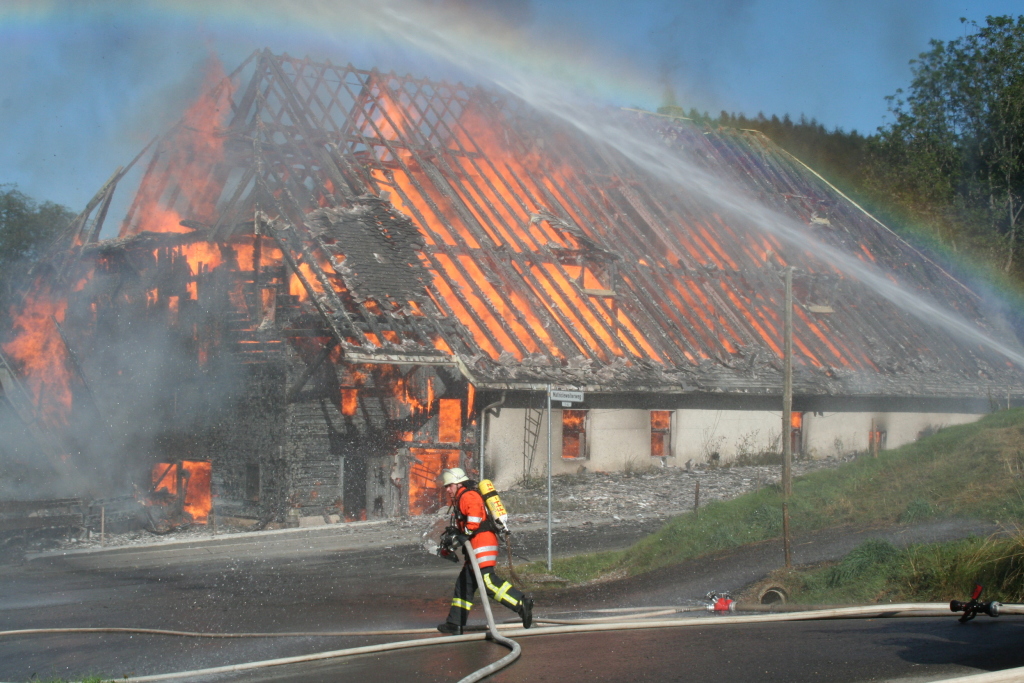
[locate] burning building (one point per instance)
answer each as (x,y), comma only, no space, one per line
(326,274)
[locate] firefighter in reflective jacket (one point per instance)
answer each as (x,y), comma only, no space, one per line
(469,516)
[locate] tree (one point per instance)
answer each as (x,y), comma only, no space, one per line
(26,229)
(956,143)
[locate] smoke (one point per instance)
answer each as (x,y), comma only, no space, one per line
(689,47)
(136,391)
(23,474)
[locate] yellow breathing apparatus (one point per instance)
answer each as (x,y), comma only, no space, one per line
(493,502)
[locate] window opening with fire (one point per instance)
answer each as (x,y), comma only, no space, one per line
(876,439)
(349,401)
(449,420)
(574,434)
(661,433)
(183,489)
(796,423)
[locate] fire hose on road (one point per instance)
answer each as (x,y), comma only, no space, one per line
(626,622)
(492,628)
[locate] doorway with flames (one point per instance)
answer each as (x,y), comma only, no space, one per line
(406,481)
(359,441)
(181,493)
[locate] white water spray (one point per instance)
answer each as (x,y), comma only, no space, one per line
(551,98)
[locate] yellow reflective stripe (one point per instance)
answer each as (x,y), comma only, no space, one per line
(464,604)
(486,549)
(500,595)
(473,520)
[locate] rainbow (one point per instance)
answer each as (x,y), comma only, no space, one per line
(370,32)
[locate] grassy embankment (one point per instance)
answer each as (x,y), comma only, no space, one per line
(970,470)
(877,571)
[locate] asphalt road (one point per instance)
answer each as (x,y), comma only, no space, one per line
(908,650)
(332,579)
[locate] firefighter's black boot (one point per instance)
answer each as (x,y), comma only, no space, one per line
(526,611)
(450,629)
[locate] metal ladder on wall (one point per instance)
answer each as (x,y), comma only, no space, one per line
(531,434)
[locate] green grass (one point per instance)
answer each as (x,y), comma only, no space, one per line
(877,571)
(972,470)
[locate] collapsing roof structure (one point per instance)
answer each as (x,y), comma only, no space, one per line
(435,223)
(372,219)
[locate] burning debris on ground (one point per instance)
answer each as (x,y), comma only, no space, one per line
(326,273)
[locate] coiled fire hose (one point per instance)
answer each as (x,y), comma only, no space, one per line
(629,622)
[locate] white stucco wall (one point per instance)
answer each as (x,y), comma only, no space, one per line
(615,439)
(618,439)
(843,433)
(700,433)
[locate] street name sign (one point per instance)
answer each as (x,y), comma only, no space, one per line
(573,396)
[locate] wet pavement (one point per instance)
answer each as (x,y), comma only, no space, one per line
(324,579)
(855,650)
(366,577)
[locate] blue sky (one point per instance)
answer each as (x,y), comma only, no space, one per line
(88,83)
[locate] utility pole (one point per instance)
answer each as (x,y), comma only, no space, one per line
(549,477)
(787,416)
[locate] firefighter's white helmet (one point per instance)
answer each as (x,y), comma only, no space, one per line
(453,476)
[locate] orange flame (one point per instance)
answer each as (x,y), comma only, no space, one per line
(40,352)
(574,424)
(425,493)
(198,495)
(449,421)
(191,156)
(349,402)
